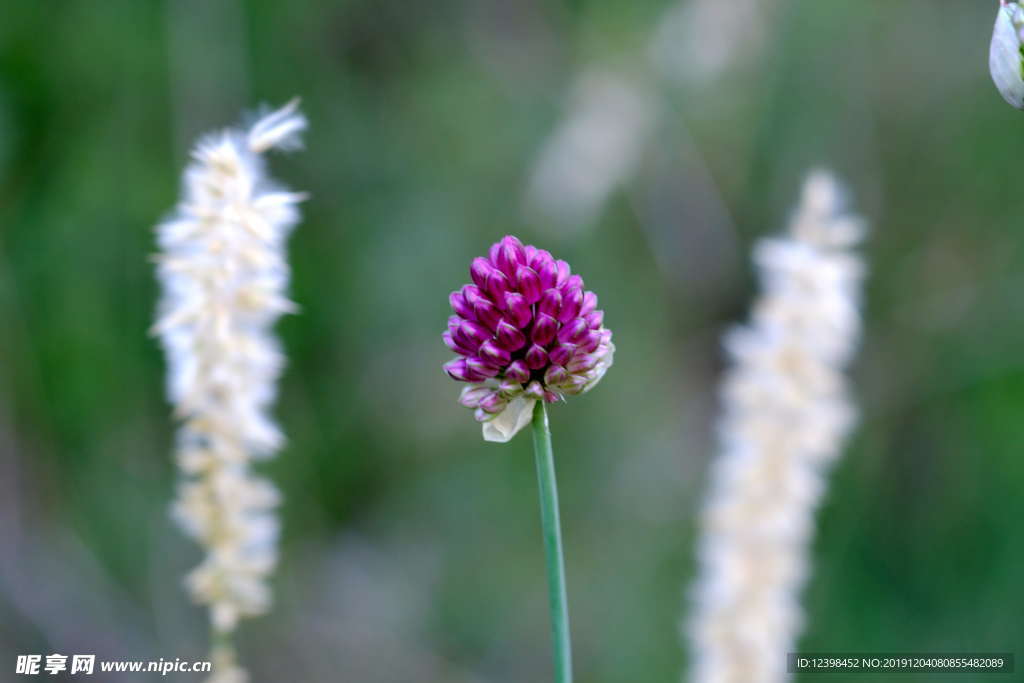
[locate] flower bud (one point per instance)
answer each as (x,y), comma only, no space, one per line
(544,329)
(573,332)
(562,354)
(497,284)
(509,255)
(534,390)
(472,294)
(478,366)
(575,384)
(547,272)
(572,302)
(518,309)
(450,342)
(540,257)
(479,270)
(591,341)
(563,272)
(456,369)
(589,303)
(573,282)
(550,303)
(472,395)
(536,358)
(509,336)
(518,371)
(453,324)
(471,335)
(528,283)
(510,388)
(487,313)
(555,375)
(493,354)
(582,362)
(459,305)
(492,403)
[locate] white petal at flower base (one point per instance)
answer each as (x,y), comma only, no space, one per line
(510,421)
(597,374)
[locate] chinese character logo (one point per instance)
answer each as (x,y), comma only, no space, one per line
(83,664)
(28,664)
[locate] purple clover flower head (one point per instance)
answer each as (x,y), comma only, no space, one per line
(524,330)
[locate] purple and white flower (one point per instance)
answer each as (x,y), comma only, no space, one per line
(524,330)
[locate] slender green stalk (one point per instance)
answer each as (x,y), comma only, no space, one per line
(223,655)
(557,598)
(222,641)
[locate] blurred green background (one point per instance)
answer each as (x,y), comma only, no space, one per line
(650,144)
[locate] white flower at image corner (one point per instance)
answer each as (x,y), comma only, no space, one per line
(1005,61)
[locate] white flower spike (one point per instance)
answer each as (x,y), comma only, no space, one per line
(224,276)
(785,416)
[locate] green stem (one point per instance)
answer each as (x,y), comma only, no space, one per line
(221,641)
(222,650)
(559,603)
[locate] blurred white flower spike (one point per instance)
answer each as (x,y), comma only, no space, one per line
(224,275)
(281,129)
(696,42)
(785,417)
(593,151)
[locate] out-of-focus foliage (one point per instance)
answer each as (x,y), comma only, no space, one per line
(411,549)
